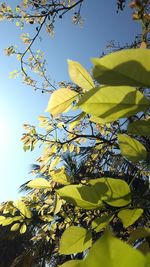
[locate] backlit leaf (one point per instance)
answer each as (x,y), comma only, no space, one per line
(126,67)
(39,183)
(129,217)
(139,128)
(74,240)
(15,227)
(60,100)
(131,149)
(112,103)
(80,75)
(23,229)
(60,176)
(23,208)
(72,263)
(101,222)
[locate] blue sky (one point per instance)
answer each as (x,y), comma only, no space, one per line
(20,104)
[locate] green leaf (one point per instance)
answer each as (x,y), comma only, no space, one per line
(15,227)
(75,240)
(23,208)
(117,193)
(131,149)
(86,197)
(129,217)
(72,263)
(101,222)
(60,176)
(112,103)
(75,122)
(39,183)
(80,75)
(23,229)
(139,128)
(147,260)
(128,67)
(139,233)
(109,251)
(60,100)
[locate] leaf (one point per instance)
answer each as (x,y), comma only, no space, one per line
(58,205)
(60,100)
(71,263)
(109,251)
(23,208)
(15,227)
(139,233)
(2,218)
(101,222)
(112,103)
(131,149)
(82,196)
(60,176)
(128,67)
(39,183)
(54,163)
(129,217)
(141,127)
(117,193)
(23,229)
(7,221)
(75,240)
(80,75)
(74,123)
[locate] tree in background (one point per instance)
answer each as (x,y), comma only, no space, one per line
(93,173)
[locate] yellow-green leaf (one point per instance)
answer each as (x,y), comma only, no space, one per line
(39,183)
(75,240)
(23,208)
(101,222)
(139,128)
(75,122)
(71,263)
(126,67)
(60,100)
(60,176)
(23,229)
(15,227)
(112,103)
(131,149)
(129,217)
(80,75)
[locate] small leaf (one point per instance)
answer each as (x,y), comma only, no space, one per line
(23,229)
(60,176)
(7,221)
(139,128)
(75,240)
(54,163)
(101,222)
(60,100)
(15,227)
(74,123)
(113,103)
(127,67)
(131,149)
(139,233)
(80,75)
(39,183)
(129,217)
(23,208)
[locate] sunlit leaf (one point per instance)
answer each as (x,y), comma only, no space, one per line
(74,240)
(131,149)
(60,176)
(75,122)
(139,128)
(117,192)
(83,196)
(109,251)
(23,208)
(112,103)
(39,183)
(129,217)
(15,227)
(101,222)
(60,100)
(72,263)
(126,67)
(80,75)
(23,229)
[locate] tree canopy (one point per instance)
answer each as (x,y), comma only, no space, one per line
(88,204)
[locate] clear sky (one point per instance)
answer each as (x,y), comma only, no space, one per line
(20,104)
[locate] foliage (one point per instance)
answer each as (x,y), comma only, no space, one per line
(93,174)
